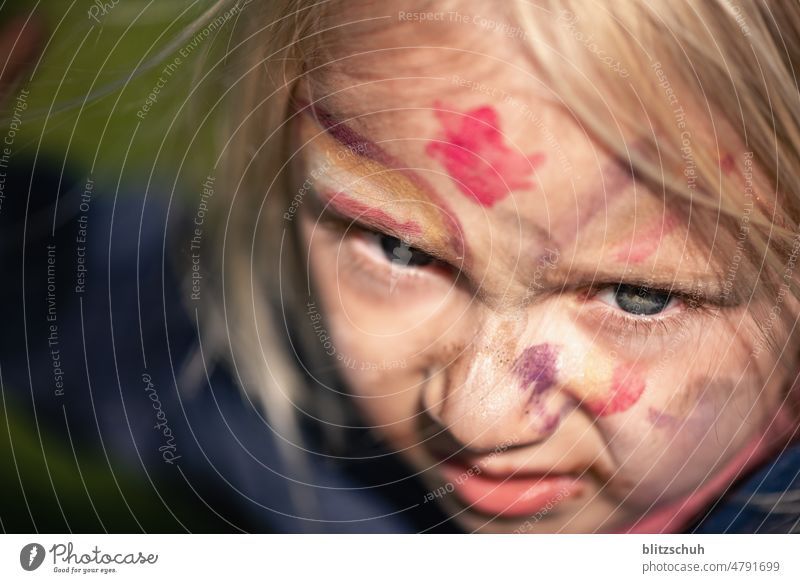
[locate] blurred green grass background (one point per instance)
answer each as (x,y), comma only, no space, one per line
(82,108)
(84,99)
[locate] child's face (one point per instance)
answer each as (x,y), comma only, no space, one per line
(468,266)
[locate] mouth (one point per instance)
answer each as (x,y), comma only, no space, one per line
(512,495)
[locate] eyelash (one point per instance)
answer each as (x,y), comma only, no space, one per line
(369,262)
(380,267)
(626,323)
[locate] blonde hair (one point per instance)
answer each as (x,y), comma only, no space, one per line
(729,56)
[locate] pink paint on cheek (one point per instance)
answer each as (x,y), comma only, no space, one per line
(626,389)
(477,159)
(662,419)
(693,423)
(703,413)
(615,180)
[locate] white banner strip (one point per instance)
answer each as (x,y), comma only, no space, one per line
(400,558)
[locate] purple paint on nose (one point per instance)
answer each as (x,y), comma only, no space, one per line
(536,367)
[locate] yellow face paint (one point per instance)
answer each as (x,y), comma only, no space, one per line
(369,176)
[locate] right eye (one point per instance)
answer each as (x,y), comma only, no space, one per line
(637,300)
(399,253)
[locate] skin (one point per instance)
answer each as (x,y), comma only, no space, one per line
(511,364)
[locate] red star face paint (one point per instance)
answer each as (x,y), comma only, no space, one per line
(473,150)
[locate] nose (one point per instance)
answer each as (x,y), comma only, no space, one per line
(498,390)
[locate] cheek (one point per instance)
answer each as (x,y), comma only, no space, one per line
(692,410)
(681,436)
(382,376)
(375,339)
(372,347)
(606,386)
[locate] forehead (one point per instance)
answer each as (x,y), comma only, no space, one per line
(454,97)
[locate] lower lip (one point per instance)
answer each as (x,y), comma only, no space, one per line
(511,497)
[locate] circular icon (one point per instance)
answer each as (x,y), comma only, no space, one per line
(31,556)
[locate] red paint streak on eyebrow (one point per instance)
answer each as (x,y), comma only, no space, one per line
(376,217)
(646,244)
(473,152)
(626,389)
(361,146)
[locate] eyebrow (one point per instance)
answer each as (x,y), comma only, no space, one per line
(362,147)
(616,177)
(707,286)
(438,233)
(344,134)
(351,208)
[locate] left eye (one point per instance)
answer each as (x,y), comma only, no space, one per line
(399,253)
(637,300)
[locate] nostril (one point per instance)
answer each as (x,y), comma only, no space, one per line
(437,439)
